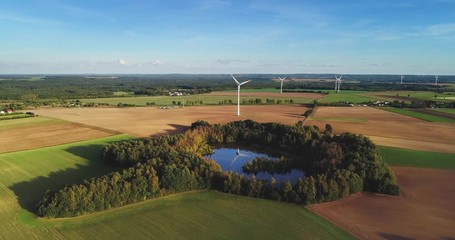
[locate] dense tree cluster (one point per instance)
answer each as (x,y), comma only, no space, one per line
(312,189)
(97,194)
(334,166)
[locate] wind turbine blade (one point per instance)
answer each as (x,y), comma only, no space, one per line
(245,82)
(235,80)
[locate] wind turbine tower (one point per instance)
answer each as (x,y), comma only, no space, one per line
(338,83)
(401,79)
(436,79)
(238,93)
(282,80)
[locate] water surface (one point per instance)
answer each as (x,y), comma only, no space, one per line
(231,160)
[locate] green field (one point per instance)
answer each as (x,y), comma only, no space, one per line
(422,116)
(273,90)
(28,122)
(167,100)
(414,158)
(346,96)
(446,110)
(26,175)
(14,116)
(422,95)
(203,215)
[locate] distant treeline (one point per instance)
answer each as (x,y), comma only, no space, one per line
(334,165)
(64,87)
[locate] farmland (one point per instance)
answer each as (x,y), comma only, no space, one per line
(388,129)
(208,99)
(445,110)
(426,116)
(27,174)
(218,214)
(425,209)
(414,158)
(347,96)
(36,132)
(408,96)
(148,121)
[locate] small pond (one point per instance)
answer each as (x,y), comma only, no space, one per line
(232,159)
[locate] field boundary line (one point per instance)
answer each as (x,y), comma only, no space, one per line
(87,126)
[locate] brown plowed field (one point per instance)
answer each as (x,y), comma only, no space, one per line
(426,209)
(387,128)
(30,133)
(146,121)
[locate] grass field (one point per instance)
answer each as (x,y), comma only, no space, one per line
(347,96)
(445,110)
(422,116)
(28,122)
(414,158)
(422,95)
(26,175)
(167,100)
(203,215)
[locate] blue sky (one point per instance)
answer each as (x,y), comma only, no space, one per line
(223,36)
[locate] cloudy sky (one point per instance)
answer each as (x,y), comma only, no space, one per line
(223,36)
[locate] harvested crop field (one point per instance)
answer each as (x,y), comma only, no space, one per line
(37,132)
(425,210)
(146,121)
(387,128)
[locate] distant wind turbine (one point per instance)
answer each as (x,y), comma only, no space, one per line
(282,80)
(238,93)
(436,80)
(401,79)
(337,83)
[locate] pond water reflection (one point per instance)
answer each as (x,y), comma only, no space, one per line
(232,159)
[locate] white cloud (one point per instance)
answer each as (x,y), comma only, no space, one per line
(157,63)
(122,62)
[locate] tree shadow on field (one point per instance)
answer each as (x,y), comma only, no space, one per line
(177,128)
(29,193)
(390,236)
(294,115)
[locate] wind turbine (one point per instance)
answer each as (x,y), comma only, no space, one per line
(282,80)
(401,79)
(237,155)
(436,79)
(238,93)
(337,83)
